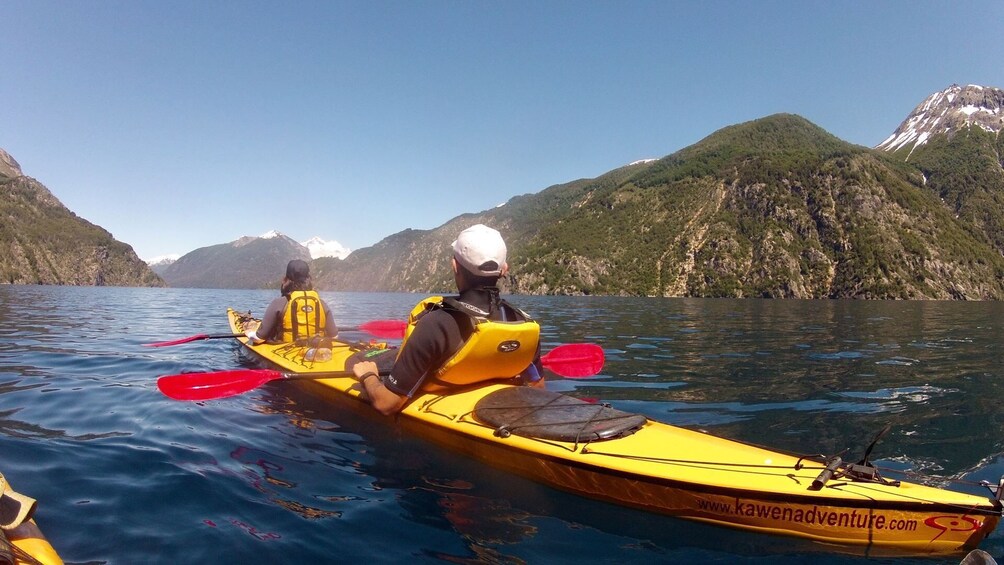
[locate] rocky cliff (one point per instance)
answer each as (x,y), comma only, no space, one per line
(42,242)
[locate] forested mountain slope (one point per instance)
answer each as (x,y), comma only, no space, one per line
(776,207)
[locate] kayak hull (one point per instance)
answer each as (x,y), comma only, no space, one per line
(28,538)
(685,473)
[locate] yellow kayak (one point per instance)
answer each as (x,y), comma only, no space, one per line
(599,452)
(21,541)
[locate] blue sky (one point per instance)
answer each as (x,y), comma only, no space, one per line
(181,124)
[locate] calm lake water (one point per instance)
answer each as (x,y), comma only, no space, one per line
(125,475)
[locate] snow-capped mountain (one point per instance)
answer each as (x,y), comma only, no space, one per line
(317,246)
(164,259)
(946,112)
(321,248)
(161,263)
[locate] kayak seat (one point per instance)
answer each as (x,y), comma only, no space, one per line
(541,414)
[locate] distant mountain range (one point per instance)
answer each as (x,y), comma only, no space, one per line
(775,207)
(269,252)
(42,242)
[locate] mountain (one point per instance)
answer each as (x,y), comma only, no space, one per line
(776,207)
(409,261)
(195,272)
(160,264)
(9,168)
(249,262)
(321,248)
(954,139)
(944,113)
(43,242)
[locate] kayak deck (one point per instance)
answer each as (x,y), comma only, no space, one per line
(679,472)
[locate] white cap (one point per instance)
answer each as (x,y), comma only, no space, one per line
(481,250)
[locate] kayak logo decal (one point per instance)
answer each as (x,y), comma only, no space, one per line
(508,346)
(952,524)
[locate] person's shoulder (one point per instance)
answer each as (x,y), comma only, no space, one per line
(437,322)
(435,331)
(435,317)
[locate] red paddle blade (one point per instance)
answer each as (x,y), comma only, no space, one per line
(387,329)
(177,341)
(575,360)
(209,386)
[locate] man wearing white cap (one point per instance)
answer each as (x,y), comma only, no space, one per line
(458,341)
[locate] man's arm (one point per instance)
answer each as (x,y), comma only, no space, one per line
(384,400)
(435,336)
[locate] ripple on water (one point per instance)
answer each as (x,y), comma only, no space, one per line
(921,393)
(836,355)
(899,361)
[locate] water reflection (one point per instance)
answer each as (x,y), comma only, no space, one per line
(493,516)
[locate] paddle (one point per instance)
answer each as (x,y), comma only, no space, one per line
(572,360)
(387,329)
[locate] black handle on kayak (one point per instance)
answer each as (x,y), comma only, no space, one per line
(826,474)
